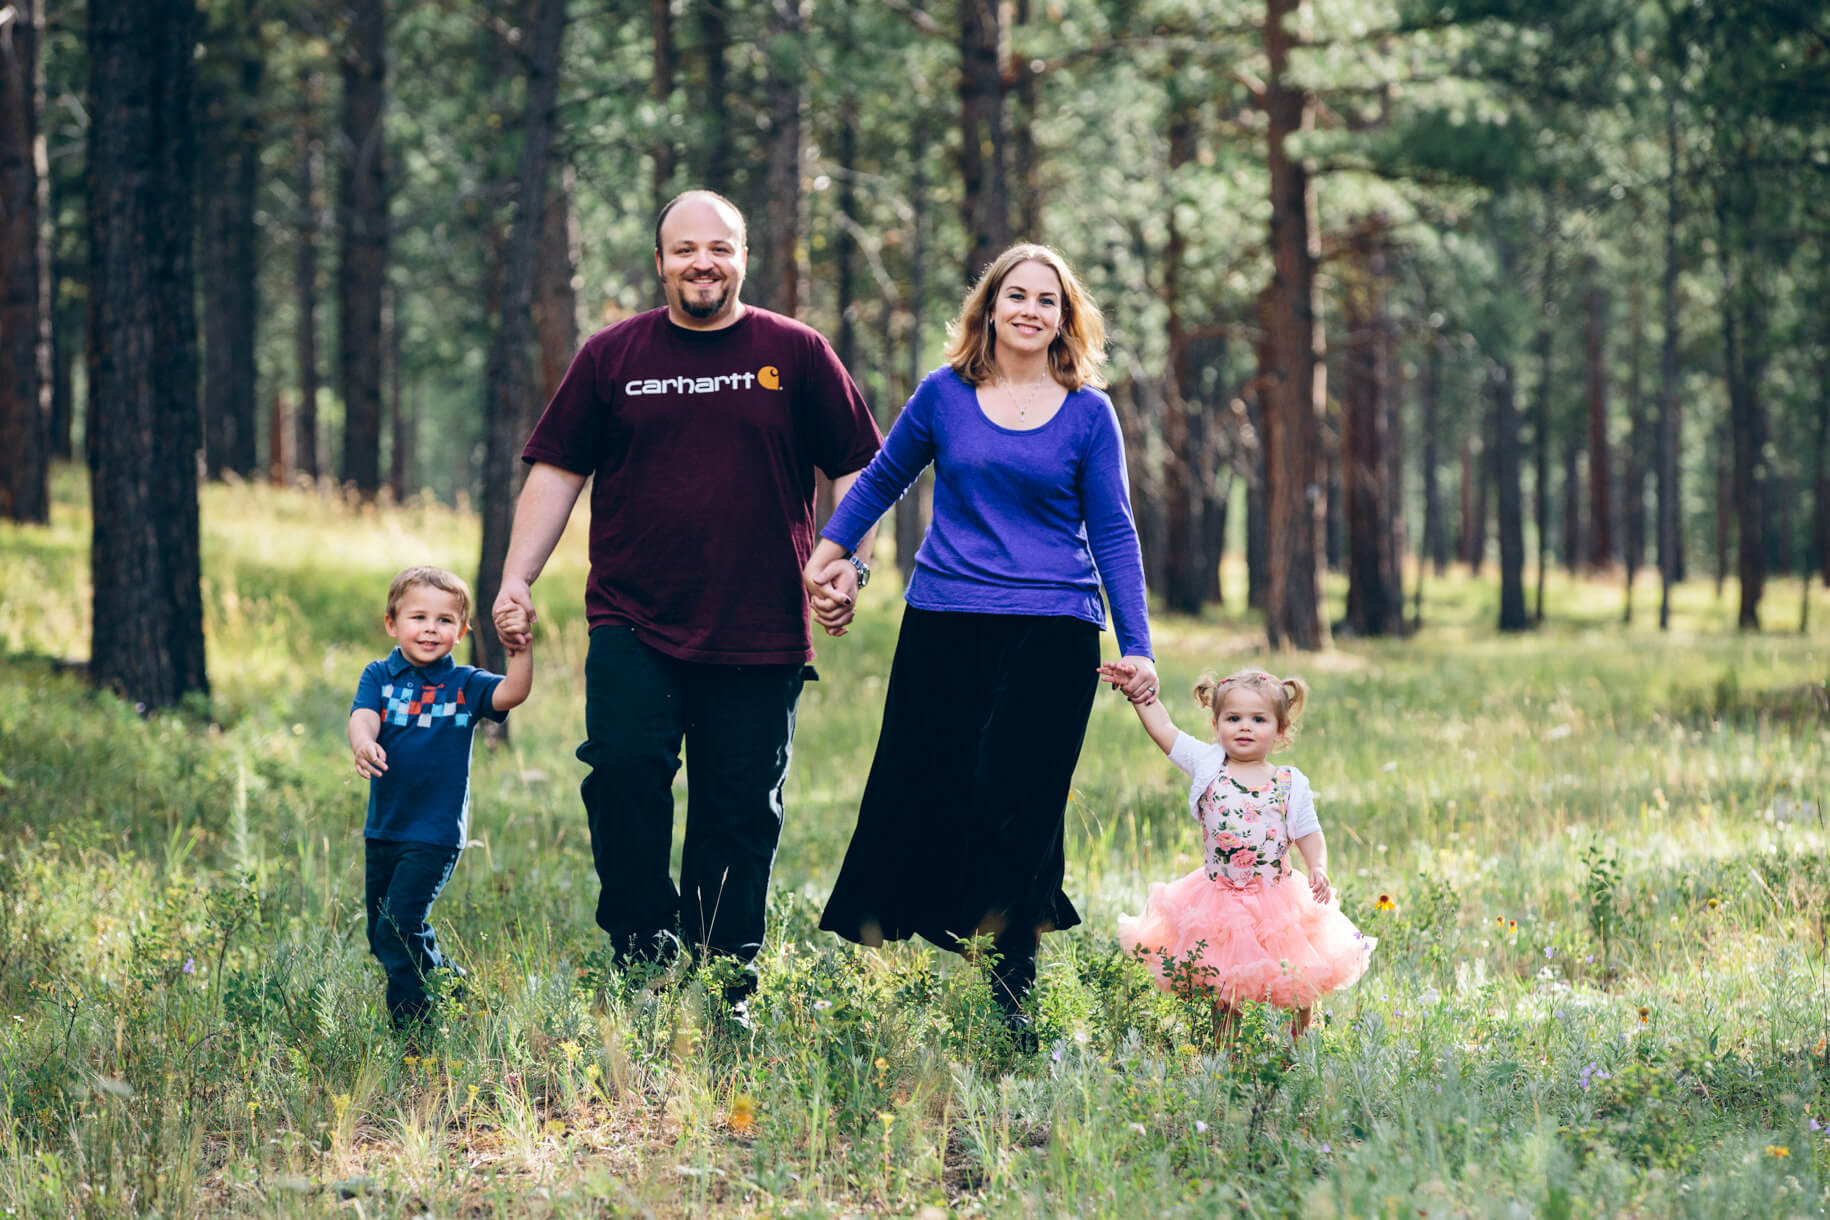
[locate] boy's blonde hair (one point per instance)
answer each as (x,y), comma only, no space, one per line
(1076,354)
(435,578)
(1285,695)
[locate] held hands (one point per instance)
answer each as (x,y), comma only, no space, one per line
(1135,676)
(371,760)
(514,614)
(515,623)
(832,588)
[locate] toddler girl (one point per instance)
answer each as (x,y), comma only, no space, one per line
(1239,925)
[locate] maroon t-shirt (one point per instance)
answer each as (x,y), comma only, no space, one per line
(704,445)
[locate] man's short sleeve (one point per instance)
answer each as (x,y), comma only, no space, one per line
(840,433)
(571,431)
(479,693)
(368,689)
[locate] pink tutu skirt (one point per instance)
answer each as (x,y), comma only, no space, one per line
(1262,941)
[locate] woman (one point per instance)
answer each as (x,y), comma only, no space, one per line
(960,829)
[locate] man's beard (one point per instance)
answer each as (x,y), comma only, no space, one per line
(711,308)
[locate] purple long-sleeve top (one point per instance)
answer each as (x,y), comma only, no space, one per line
(1025,522)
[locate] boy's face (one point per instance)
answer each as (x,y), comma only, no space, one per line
(427,624)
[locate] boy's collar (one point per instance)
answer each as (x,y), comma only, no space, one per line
(398,665)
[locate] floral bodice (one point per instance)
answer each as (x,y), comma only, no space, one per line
(1245,829)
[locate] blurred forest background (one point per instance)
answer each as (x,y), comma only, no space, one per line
(1393,285)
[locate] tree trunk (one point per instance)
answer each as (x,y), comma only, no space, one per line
(1464,542)
(1600,540)
(362,243)
(1257,563)
(1025,165)
(661,91)
(775,266)
(845,275)
(230,153)
(1375,598)
(1572,503)
(1743,333)
(1511,501)
(1639,437)
(911,519)
(307,149)
(512,342)
(1483,495)
(555,296)
(1667,479)
(1541,414)
(714,47)
(1183,583)
(25,265)
(402,427)
(144,562)
(1724,501)
(1820,462)
(1296,389)
(1433,547)
(985,197)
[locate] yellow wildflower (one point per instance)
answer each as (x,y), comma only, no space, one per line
(743,1113)
(569,1049)
(592,1072)
(1778,1150)
(1385,903)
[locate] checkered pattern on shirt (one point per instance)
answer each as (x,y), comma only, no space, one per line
(420,705)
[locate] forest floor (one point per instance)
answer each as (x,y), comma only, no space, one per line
(1600,987)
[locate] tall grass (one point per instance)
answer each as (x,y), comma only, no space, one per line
(1603,989)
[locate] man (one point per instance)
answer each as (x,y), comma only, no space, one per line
(703,423)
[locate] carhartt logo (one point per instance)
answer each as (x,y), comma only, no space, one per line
(768,377)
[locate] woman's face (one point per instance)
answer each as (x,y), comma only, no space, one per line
(1027,312)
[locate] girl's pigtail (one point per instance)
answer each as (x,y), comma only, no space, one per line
(1296,691)
(1205,691)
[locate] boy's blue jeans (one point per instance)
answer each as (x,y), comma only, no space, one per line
(403,880)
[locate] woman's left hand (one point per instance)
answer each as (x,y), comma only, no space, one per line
(1141,687)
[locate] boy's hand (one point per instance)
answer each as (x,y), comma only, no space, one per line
(1318,884)
(371,759)
(514,628)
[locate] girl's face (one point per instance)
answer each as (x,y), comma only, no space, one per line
(1246,726)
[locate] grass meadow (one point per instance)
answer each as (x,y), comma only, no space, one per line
(1600,988)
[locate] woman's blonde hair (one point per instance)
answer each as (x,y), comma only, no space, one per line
(1285,695)
(1077,355)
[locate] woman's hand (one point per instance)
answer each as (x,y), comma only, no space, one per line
(832,586)
(1141,687)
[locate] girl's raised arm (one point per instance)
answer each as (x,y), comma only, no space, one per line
(1150,710)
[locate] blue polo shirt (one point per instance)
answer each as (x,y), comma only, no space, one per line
(428,720)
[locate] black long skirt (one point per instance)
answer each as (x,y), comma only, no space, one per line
(960,828)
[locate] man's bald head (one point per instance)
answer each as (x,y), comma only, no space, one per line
(735,215)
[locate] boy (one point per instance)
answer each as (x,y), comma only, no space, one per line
(411,727)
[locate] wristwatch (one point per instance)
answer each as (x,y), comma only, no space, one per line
(864,569)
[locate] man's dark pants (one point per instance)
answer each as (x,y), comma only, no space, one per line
(737,724)
(402,881)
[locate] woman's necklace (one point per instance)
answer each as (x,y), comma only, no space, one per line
(1025,393)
